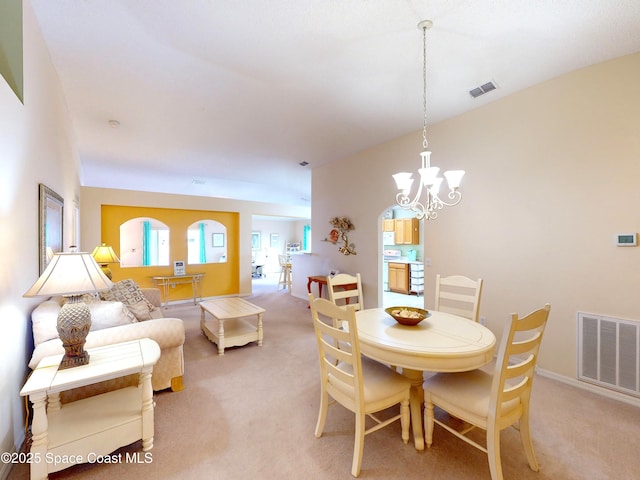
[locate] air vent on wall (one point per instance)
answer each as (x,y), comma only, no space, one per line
(482,89)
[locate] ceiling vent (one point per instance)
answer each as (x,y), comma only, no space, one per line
(482,89)
(303,164)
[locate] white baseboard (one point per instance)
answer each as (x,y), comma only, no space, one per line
(621,397)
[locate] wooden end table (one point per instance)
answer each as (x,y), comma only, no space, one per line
(232,329)
(85,430)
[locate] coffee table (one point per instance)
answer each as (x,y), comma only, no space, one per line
(228,327)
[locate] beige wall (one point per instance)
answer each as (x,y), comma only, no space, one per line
(552,175)
(35,147)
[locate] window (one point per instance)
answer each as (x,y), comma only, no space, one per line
(144,241)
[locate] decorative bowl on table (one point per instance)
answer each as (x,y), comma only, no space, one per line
(407,315)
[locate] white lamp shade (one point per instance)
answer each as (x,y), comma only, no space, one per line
(435,188)
(70,273)
(403,181)
(454,177)
(429,175)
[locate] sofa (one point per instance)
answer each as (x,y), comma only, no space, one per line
(113,321)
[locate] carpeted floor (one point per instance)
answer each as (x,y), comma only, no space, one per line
(251,413)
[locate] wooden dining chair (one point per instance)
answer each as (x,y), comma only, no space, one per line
(359,384)
(345,289)
(492,401)
(458,295)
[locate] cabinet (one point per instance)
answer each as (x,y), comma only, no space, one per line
(407,231)
(416,278)
(388,225)
(399,277)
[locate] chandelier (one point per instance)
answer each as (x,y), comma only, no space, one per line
(429,180)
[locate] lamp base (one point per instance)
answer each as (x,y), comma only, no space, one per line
(106,270)
(76,361)
(74,323)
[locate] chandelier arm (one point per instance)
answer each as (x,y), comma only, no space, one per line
(455,196)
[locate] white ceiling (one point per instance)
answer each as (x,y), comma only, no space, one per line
(226,97)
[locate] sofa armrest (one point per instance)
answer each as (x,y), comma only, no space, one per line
(167,332)
(153,295)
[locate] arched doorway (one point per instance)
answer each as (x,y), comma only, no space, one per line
(401,259)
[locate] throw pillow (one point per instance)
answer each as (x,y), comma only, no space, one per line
(109,314)
(128,292)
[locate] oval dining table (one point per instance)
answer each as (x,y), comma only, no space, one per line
(442,342)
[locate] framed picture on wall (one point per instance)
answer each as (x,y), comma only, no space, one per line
(217,239)
(274,239)
(255,240)
(51,217)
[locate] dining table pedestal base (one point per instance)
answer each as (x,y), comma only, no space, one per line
(415,403)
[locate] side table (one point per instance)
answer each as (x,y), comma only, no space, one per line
(322,280)
(87,429)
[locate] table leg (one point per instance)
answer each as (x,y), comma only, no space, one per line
(260,330)
(220,337)
(309,288)
(165,291)
(147,410)
(416,402)
(39,437)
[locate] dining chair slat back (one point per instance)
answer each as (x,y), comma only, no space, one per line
(346,289)
(344,374)
(458,295)
(493,401)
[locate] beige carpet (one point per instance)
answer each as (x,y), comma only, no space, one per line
(251,415)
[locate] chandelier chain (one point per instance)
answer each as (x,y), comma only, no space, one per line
(425,144)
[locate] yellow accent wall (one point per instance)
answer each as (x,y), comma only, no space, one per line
(219,279)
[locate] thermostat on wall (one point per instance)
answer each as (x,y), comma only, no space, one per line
(626,239)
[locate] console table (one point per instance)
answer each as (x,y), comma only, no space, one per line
(165,281)
(87,429)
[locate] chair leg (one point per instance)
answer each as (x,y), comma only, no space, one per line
(405,420)
(493,452)
(527,444)
(358,445)
(322,414)
(428,422)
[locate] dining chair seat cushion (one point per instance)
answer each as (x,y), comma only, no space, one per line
(466,395)
(380,382)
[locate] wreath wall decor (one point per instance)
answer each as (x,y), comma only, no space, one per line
(339,235)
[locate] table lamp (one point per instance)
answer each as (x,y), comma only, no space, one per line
(71,274)
(104,254)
